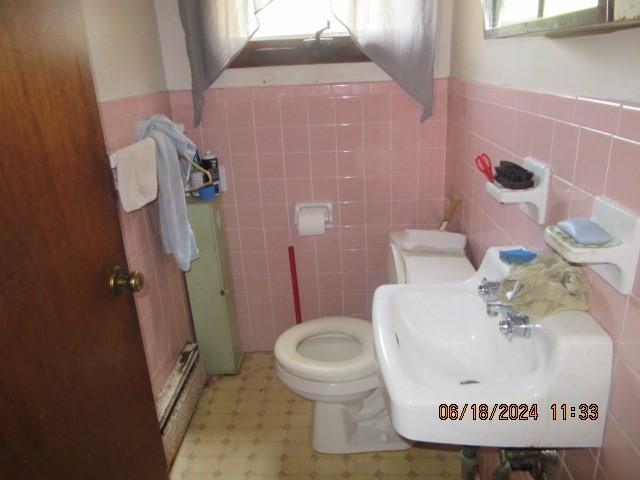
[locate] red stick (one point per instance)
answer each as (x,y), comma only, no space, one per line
(294,284)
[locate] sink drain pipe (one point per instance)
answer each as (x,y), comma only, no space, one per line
(502,472)
(468,463)
(532,460)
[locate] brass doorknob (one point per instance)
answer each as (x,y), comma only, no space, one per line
(119,280)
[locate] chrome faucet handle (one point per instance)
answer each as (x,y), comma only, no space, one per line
(487,286)
(515,325)
(506,328)
(488,289)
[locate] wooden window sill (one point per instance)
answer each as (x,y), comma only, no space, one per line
(295,51)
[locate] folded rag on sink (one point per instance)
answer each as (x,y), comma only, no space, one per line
(546,286)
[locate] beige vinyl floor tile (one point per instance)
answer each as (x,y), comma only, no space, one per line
(251,427)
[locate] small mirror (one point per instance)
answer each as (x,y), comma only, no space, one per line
(506,18)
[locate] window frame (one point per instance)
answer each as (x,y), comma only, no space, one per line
(571,21)
(299,51)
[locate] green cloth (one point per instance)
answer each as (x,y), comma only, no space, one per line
(546,286)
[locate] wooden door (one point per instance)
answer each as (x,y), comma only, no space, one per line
(75,396)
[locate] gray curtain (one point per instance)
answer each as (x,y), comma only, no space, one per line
(399,36)
(215,32)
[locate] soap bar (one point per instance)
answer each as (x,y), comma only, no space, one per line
(517,256)
(584,232)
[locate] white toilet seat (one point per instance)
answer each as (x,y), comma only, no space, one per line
(362,365)
(328,391)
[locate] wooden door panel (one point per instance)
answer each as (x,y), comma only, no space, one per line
(75,397)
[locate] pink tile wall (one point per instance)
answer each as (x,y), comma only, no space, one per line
(162,306)
(593,147)
(360,146)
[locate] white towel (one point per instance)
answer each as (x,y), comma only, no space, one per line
(175,230)
(432,241)
(137,177)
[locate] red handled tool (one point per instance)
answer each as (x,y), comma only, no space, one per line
(483,163)
(294,284)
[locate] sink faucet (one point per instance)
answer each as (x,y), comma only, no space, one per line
(513,323)
(488,291)
(494,308)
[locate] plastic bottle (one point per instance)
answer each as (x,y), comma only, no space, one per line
(211,162)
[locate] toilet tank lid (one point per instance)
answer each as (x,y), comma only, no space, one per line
(411,240)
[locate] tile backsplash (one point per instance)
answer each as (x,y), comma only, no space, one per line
(360,146)
(593,148)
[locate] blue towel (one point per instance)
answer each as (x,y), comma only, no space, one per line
(175,230)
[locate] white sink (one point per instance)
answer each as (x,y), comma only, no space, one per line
(436,346)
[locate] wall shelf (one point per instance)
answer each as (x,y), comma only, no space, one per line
(533,201)
(615,262)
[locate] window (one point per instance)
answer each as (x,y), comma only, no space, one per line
(288,36)
(297,18)
(505,18)
(511,12)
(556,7)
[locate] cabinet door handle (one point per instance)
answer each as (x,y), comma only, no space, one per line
(224,291)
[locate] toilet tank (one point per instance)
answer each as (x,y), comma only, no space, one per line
(395,265)
(424,267)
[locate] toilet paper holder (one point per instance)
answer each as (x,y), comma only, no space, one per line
(328,211)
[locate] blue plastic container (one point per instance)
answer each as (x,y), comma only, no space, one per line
(517,256)
(207,194)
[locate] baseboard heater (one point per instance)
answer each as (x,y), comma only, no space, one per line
(177,400)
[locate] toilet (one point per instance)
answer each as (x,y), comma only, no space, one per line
(331,360)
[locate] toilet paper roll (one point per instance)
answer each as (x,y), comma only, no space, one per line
(311,221)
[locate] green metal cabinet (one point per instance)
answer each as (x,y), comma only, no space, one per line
(209,285)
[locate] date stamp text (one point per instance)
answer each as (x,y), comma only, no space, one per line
(515,411)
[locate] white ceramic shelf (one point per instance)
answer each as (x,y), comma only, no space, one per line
(533,200)
(616,261)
